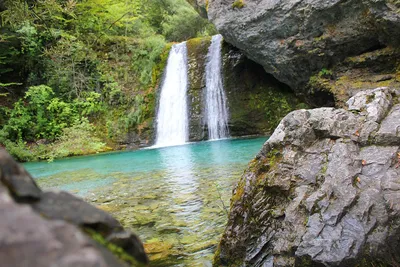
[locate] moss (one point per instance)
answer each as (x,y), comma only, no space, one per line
(370,98)
(304,261)
(369,261)
(239,191)
(197,53)
(256,101)
(274,156)
(238,4)
(266,165)
(217,256)
(114,249)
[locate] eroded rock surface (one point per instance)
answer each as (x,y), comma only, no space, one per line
(323,191)
(294,39)
(48,228)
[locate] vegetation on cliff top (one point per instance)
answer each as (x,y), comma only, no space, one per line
(65,63)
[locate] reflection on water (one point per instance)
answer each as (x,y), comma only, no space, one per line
(179,165)
(174,198)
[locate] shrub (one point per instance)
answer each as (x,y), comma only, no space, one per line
(76,140)
(19,151)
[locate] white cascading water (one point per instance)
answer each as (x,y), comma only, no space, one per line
(172,115)
(216,110)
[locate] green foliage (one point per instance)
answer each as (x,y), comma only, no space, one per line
(76,140)
(325,73)
(38,115)
(19,150)
(145,57)
(61,61)
(185,23)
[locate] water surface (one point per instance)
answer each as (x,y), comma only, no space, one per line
(174,198)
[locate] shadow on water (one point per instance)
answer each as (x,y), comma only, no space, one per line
(174,198)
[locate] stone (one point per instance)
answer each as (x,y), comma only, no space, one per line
(294,40)
(389,133)
(52,228)
(374,103)
(323,191)
(18,181)
(27,239)
(64,206)
(130,243)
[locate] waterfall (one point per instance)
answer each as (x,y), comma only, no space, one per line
(172,115)
(216,110)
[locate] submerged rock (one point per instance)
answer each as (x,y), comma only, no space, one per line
(56,228)
(294,40)
(323,191)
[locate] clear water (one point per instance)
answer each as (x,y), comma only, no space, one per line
(216,106)
(175,198)
(172,115)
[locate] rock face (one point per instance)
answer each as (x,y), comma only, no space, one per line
(295,39)
(48,228)
(256,100)
(323,191)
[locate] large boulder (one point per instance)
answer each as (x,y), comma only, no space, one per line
(56,228)
(323,191)
(296,39)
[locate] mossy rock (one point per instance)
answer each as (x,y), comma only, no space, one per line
(197,56)
(372,69)
(257,101)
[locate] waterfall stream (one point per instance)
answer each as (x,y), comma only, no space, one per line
(216,110)
(172,115)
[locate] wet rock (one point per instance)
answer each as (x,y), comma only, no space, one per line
(295,39)
(49,228)
(256,101)
(323,191)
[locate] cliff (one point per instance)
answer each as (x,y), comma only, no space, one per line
(256,100)
(319,48)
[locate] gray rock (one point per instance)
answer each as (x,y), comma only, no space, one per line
(27,239)
(321,191)
(372,103)
(47,229)
(294,39)
(64,206)
(389,133)
(18,181)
